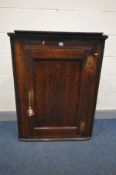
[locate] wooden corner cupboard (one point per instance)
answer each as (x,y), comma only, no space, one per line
(56,76)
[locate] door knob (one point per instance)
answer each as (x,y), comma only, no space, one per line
(30,111)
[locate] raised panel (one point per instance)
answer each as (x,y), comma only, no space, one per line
(56,88)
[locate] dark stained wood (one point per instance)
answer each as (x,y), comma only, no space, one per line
(57,74)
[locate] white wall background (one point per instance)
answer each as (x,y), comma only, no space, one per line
(59,15)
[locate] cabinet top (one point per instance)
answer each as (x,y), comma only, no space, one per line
(57,35)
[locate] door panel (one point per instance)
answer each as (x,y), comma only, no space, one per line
(56,89)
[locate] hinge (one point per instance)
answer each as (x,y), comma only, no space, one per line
(82,126)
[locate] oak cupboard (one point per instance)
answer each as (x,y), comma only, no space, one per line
(56,76)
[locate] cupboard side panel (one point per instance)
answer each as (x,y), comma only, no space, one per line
(100,50)
(89,89)
(19,74)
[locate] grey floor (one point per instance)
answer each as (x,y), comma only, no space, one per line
(94,157)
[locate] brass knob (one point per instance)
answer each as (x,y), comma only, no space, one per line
(30,111)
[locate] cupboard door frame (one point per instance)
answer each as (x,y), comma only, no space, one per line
(89,80)
(87,86)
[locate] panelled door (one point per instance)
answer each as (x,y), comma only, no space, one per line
(60,84)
